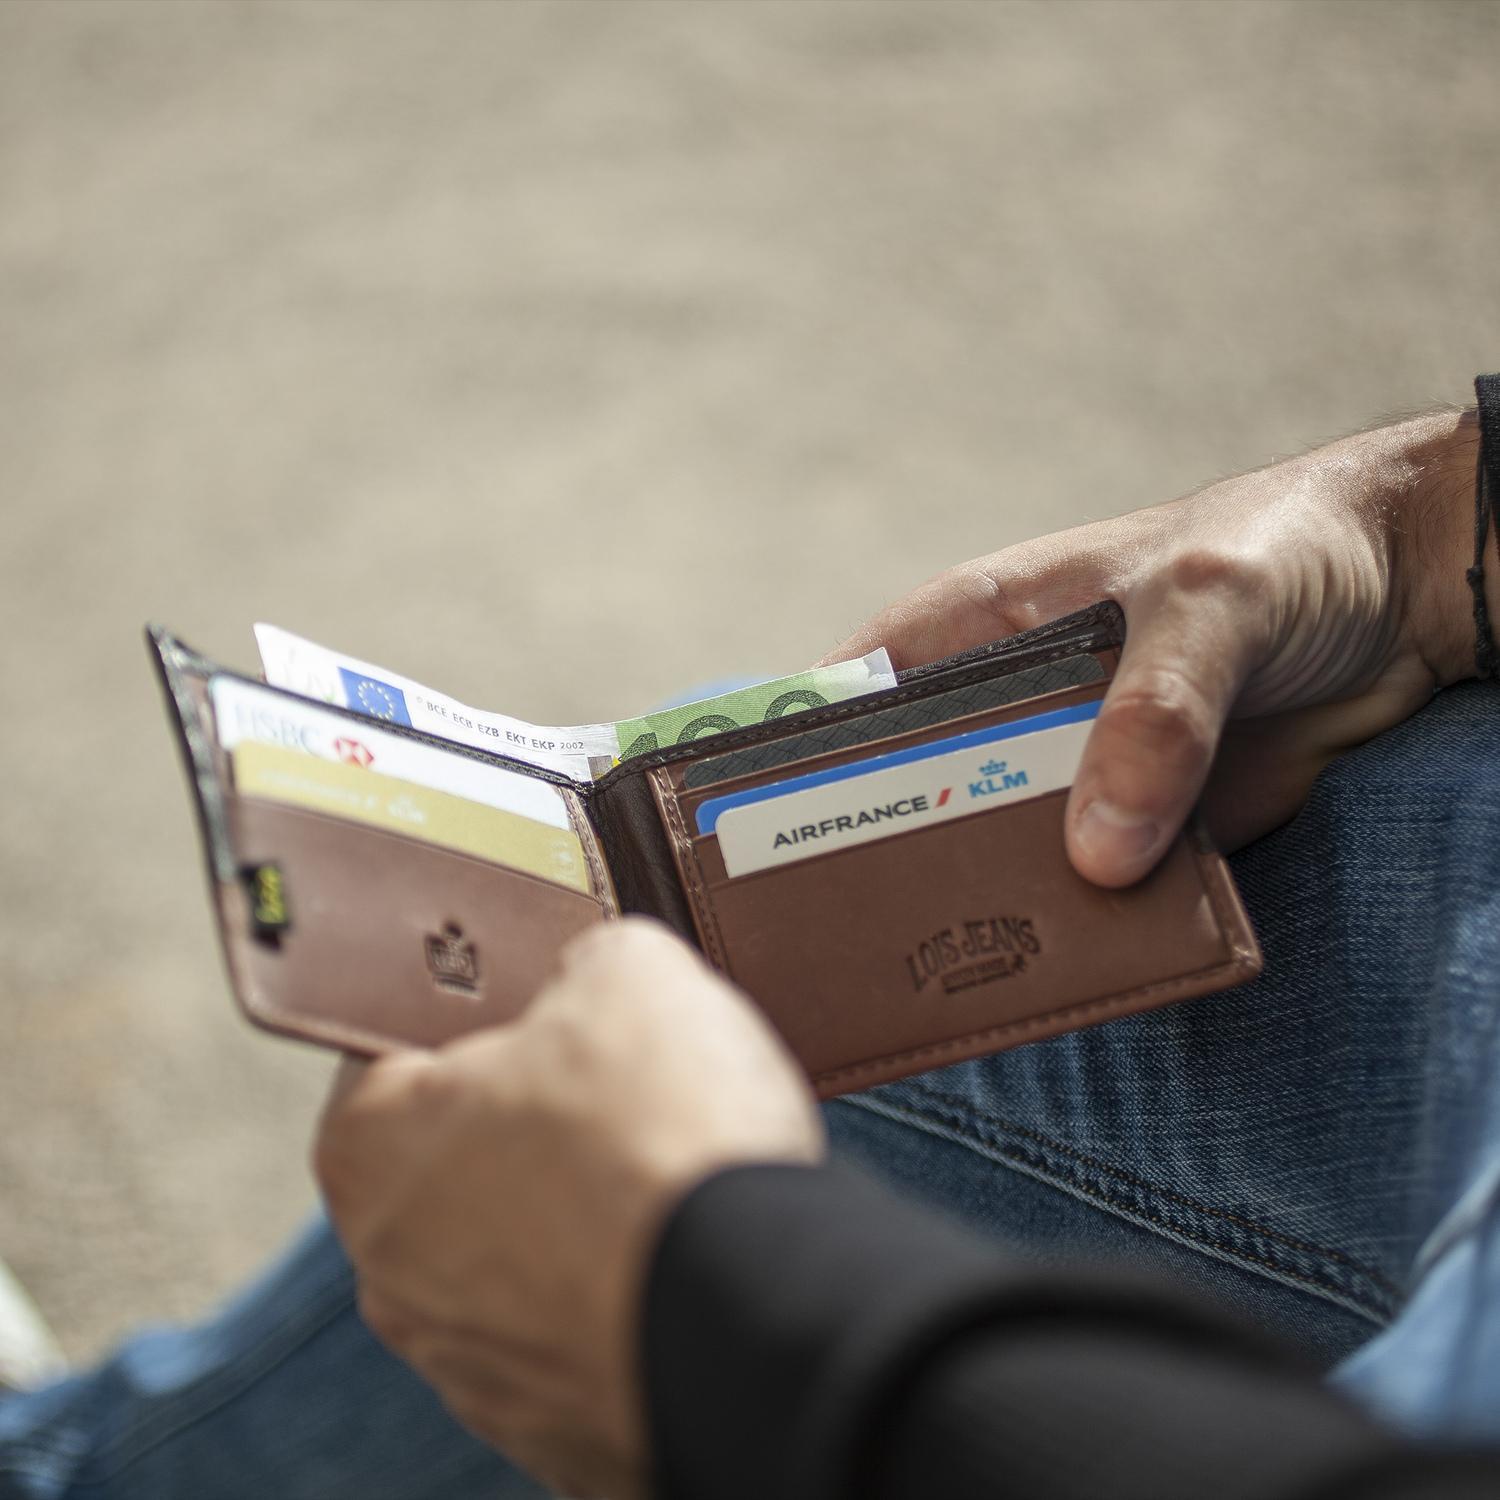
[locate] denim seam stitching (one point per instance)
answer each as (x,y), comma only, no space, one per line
(1042,1170)
(1043,1159)
(1375,1278)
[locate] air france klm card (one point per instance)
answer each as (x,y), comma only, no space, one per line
(872,799)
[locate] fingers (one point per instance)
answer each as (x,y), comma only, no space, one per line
(1197,624)
(361,1121)
(630,946)
(987,599)
(1186,655)
(635,965)
(346,1079)
(363,1086)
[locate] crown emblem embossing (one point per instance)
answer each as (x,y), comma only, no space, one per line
(452,962)
(994,768)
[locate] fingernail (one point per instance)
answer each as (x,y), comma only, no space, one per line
(1113,838)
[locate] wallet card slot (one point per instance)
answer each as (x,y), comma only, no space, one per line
(388,941)
(1029,683)
(690,799)
(411,841)
(299,754)
(968,936)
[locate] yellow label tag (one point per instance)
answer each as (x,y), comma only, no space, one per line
(268,898)
(418,812)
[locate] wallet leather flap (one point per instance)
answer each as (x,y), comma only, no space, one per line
(957,938)
(377,939)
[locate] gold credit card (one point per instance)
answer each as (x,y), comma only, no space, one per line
(419,812)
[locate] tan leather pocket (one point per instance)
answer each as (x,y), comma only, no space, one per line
(390,941)
(957,939)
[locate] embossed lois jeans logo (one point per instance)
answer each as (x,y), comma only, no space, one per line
(973,952)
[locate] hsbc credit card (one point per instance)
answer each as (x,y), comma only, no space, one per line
(245,712)
(863,801)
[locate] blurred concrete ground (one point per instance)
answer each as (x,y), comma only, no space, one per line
(563,354)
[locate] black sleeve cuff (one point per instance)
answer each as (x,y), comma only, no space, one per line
(809,1336)
(777,1297)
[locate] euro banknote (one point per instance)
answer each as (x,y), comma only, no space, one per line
(314,671)
(580,751)
(755,705)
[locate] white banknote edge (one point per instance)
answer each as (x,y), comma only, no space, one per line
(315,672)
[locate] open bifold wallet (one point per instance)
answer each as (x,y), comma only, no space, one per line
(885,877)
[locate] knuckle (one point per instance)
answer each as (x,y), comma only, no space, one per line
(640,935)
(414,1089)
(630,940)
(565,1046)
(981,587)
(1164,713)
(383,1092)
(589,946)
(1203,568)
(974,581)
(428,1092)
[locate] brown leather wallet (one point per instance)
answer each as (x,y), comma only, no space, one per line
(921,948)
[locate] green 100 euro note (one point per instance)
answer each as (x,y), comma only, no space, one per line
(755,705)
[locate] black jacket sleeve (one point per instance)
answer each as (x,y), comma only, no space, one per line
(808,1336)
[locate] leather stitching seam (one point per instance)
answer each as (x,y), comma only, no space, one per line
(603,891)
(963,1046)
(692,874)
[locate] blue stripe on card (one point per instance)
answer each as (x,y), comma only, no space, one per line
(709,811)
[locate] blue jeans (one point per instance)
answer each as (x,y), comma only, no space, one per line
(1319,1150)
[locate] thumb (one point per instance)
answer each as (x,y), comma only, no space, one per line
(1152,745)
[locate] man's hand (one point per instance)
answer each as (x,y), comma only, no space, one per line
(1318,602)
(500,1198)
